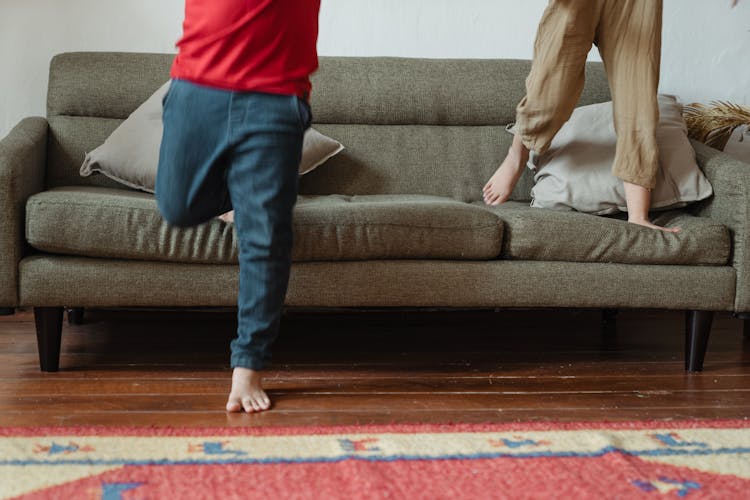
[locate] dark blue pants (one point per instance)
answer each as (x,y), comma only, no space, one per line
(225,150)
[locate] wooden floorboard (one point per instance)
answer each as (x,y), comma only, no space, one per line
(435,383)
(168,368)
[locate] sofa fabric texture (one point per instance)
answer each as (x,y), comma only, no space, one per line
(23,156)
(551,235)
(337,227)
(398,91)
(730,205)
(47,279)
(126,225)
(447,160)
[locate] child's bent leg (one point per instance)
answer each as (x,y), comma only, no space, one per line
(190,182)
(553,87)
(267,133)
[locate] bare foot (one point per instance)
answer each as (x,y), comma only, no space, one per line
(247,392)
(227,217)
(648,224)
(499,188)
(638,199)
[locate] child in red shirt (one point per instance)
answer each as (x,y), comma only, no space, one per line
(234,120)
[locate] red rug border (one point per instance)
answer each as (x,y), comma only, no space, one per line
(146,431)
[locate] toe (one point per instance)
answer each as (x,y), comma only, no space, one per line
(234,405)
(264,402)
(247,404)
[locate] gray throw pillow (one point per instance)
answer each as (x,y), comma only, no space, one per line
(131,154)
(576,172)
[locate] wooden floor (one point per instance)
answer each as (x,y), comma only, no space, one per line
(169,369)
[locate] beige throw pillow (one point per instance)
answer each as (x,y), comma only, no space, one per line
(131,154)
(576,172)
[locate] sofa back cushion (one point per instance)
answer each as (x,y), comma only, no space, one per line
(411,126)
(89,95)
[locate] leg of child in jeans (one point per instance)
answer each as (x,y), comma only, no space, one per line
(223,150)
(263,185)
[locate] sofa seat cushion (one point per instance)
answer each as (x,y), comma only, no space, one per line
(551,235)
(337,227)
(114,223)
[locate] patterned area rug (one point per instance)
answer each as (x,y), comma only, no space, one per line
(693,459)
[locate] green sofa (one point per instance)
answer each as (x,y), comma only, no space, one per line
(396,220)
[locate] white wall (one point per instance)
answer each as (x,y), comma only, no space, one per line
(706,51)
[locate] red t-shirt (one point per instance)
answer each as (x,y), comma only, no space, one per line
(249,45)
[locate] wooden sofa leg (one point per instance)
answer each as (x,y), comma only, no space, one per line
(75,316)
(7,311)
(697,331)
(48,335)
(745,319)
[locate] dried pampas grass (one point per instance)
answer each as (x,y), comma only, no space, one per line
(714,124)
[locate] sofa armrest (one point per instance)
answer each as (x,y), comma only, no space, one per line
(23,159)
(730,205)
